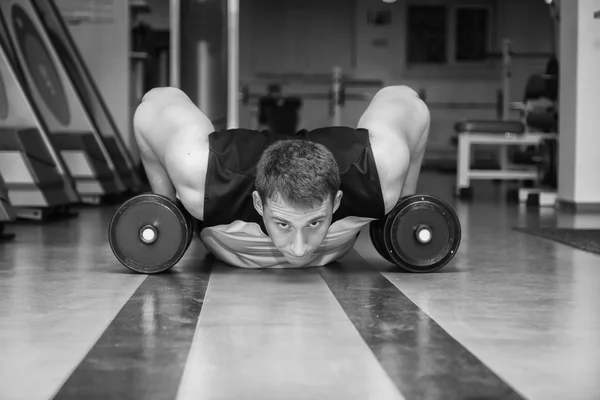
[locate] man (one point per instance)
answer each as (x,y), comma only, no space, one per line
(264,202)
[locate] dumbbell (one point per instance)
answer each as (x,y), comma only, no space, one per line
(149,233)
(421,234)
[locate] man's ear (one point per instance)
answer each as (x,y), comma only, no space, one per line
(337,201)
(258,204)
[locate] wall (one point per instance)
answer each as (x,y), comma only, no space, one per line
(102,37)
(276,38)
(580,90)
(568,104)
(587,184)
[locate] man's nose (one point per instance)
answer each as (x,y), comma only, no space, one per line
(299,245)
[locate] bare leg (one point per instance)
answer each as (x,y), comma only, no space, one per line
(398,123)
(172,134)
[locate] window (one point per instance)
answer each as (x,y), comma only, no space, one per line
(448,33)
(427,30)
(472,33)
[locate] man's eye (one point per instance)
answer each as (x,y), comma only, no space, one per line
(283,226)
(314,224)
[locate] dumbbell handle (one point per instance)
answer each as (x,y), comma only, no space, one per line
(423,234)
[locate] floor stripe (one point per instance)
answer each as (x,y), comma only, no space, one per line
(422,359)
(279,335)
(142,354)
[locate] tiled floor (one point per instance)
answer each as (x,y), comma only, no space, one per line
(512,316)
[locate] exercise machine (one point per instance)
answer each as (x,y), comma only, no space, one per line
(7,212)
(90,96)
(534,128)
(36,179)
(51,92)
(336,93)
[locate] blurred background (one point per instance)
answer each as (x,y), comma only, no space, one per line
(290,65)
(444,49)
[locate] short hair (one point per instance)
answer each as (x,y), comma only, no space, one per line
(302,172)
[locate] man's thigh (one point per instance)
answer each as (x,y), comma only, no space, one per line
(398,123)
(173,136)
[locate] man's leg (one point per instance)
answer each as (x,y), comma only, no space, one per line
(398,124)
(172,134)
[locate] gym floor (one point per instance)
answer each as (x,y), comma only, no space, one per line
(513,316)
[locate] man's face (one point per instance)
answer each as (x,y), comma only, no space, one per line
(296,231)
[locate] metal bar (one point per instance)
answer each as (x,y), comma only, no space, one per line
(267,77)
(336,89)
(461,105)
(520,55)
(506,78)
(503,174)
(316,96)
(233,67)
(438,105)
(175,32)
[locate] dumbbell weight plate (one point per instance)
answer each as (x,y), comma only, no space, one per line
(149,233)
(405,220)
(189,223)
(376,231)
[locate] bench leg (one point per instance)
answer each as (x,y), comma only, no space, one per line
(463,162)
(503,155)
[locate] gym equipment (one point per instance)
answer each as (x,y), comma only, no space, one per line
(544,159)
(37,180)
(237,91)
(280,114)
(90,96)
(149,233)
(421,234)
(7,212)
(464,105)
(498,133)
(538,124)
(503,104)
(52,94)
(337,94)
(233,65)
(546,163)
(174,42)
(508,55)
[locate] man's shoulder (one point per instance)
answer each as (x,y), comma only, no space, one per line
(244,245)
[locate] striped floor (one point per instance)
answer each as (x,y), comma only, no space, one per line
(512,317)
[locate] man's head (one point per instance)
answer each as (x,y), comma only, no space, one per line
(297,192)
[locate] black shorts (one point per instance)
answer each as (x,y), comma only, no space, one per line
(234,154)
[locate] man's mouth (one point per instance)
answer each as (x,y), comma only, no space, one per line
(291,257)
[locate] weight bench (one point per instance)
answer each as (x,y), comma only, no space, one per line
(537,128)
(498,133)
